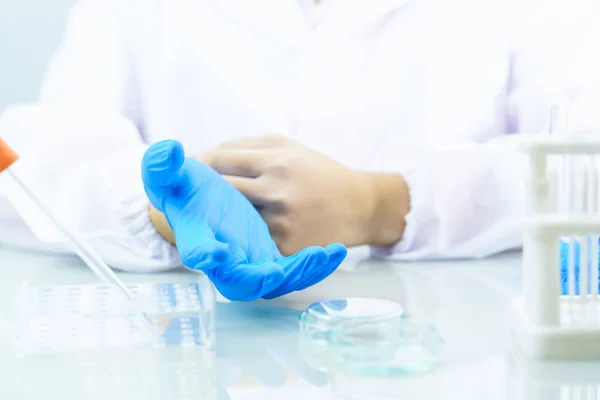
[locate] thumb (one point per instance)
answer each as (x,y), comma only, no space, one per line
(162,173)
(168,185)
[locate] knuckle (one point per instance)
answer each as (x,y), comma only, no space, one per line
(280,227)
(283,164)
(279,199)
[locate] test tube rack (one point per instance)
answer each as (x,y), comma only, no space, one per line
(554,379)
(552,320)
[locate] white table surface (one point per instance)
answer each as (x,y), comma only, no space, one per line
(467,301)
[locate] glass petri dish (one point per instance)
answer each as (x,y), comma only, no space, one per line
(381,359)
(319,319)
(382,348)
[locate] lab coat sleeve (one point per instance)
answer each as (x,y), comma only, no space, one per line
(81,145)
(468,199)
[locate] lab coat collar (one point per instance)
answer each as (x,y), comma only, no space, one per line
(352,16)
(284,20)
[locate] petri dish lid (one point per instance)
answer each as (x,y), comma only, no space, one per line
(357,308)
(319,319)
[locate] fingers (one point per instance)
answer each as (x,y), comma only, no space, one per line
(161,164)
(261,142)
(308,267)
(336,254)
(166,181)
(297,267)
(247,282)
(252,188)
(239,162)
(161,172)
(242,281)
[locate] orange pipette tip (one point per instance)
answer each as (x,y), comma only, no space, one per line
(7,156)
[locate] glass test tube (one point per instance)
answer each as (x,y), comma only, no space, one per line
(7,158)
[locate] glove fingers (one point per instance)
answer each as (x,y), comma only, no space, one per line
(204,252)
(161,172)
(336,254)
(297,267)
(246,282)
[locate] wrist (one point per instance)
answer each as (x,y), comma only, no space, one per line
(387,205)
(159,221)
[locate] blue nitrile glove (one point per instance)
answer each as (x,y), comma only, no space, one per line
(564,266)
(218,231)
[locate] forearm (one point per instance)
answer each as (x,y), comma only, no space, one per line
(390,203)
(162,226)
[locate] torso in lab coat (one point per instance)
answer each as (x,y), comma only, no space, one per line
(370,85)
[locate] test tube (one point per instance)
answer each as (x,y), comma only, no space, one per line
(7,158)
(559,116)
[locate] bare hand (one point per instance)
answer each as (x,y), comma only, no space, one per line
(305,197)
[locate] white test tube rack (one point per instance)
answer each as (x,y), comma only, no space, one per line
(548,323)
(554,380)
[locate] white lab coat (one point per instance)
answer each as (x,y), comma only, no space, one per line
(424,88)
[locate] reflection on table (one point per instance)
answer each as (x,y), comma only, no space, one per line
(258,353)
